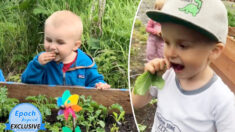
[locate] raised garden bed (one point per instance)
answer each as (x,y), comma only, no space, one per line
(100,102)
(224,65)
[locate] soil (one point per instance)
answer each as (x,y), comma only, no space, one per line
(145,116)
(126,126)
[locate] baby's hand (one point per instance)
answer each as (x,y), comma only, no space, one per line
(46,57)
(157,65)
(102,85)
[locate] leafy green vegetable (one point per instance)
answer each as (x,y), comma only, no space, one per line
(48,104)
(2,127)
(6,104)
(157,81)
(145,80)
(142,127)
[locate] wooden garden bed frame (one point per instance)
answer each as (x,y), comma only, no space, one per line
(104,97)
(224,66)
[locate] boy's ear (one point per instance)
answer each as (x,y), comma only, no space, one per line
(216,51)
(77,45)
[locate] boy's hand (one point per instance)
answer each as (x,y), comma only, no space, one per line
(102,85)
(46,57)
(157,65)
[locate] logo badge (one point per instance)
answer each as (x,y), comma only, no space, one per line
(81,76)
(25,117)
(192,8)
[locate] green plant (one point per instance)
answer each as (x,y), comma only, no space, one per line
(153,101)
(16,41)
(231,18)
(92,115)
(6,104)
(145,80)
(68,123)
(230,6)
(118,116)
(142,127)
(114,128)
(43,103)
(2,127)
(15,78)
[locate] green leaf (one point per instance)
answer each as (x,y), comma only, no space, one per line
(94,43)
(145,80)
(142,127)
(101,123)
(115,116)
(116,107)
(40,10)
(158,81)
(2,127)
(142,83)
(121,116)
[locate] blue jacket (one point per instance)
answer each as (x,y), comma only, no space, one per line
(1,76)
(82,73)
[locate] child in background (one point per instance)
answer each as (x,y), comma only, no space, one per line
(1,76)
(194,98)
(155,42)
(63,63)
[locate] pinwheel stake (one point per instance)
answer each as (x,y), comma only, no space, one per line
(68,105)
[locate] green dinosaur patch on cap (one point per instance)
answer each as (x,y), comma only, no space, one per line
(192,8)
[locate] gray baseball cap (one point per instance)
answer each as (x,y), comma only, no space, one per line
(208,17)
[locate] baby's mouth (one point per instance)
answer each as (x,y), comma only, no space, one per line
(177,67)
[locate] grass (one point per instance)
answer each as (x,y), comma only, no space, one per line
(105,38)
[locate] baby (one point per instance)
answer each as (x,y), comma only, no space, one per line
(63,63)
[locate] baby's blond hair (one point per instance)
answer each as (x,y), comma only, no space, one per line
(159,4)
(66,18)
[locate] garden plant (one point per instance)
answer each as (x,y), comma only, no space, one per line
(92,117)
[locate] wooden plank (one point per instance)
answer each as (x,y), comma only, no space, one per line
(225,79)
(229,49)
(231,31)
(224,65)
(104,97)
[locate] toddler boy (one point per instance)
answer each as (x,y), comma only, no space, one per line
(194,98)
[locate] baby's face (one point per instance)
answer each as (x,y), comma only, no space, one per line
(186,50)
(61,41)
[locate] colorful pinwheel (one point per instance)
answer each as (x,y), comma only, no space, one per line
(66,129)
(68,103)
